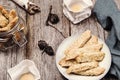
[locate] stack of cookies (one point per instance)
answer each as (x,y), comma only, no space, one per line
(8,19)
(82,57)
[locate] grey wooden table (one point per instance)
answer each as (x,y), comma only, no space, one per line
(38,31)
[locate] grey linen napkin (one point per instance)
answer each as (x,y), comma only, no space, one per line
(108,16)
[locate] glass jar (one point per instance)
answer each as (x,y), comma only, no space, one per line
(15,36)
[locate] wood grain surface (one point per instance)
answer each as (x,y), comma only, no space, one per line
(37,30)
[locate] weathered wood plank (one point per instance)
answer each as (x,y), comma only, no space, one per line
(38,31)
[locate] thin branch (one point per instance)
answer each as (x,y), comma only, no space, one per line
(57,30)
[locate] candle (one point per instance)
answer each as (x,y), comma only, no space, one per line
(27,76)
(76,7)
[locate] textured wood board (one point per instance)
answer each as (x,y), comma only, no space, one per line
(38,31)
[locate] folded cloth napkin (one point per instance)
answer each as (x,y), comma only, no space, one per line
(108,16)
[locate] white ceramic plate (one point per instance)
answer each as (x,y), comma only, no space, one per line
(106,63)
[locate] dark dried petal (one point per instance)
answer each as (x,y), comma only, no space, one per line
(49,50)
(42,44)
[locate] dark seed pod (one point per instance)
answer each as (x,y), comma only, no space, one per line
(53,18)
(45,47)
(42,44)
(49,50)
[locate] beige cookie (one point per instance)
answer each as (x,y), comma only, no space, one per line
(92,72)
(82,67)
(3,21)
(80,41)
(1,8)
(67,63)
(12,15)
(4,11)
(93,40)
(10,25)
(90,56)
(72,54)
